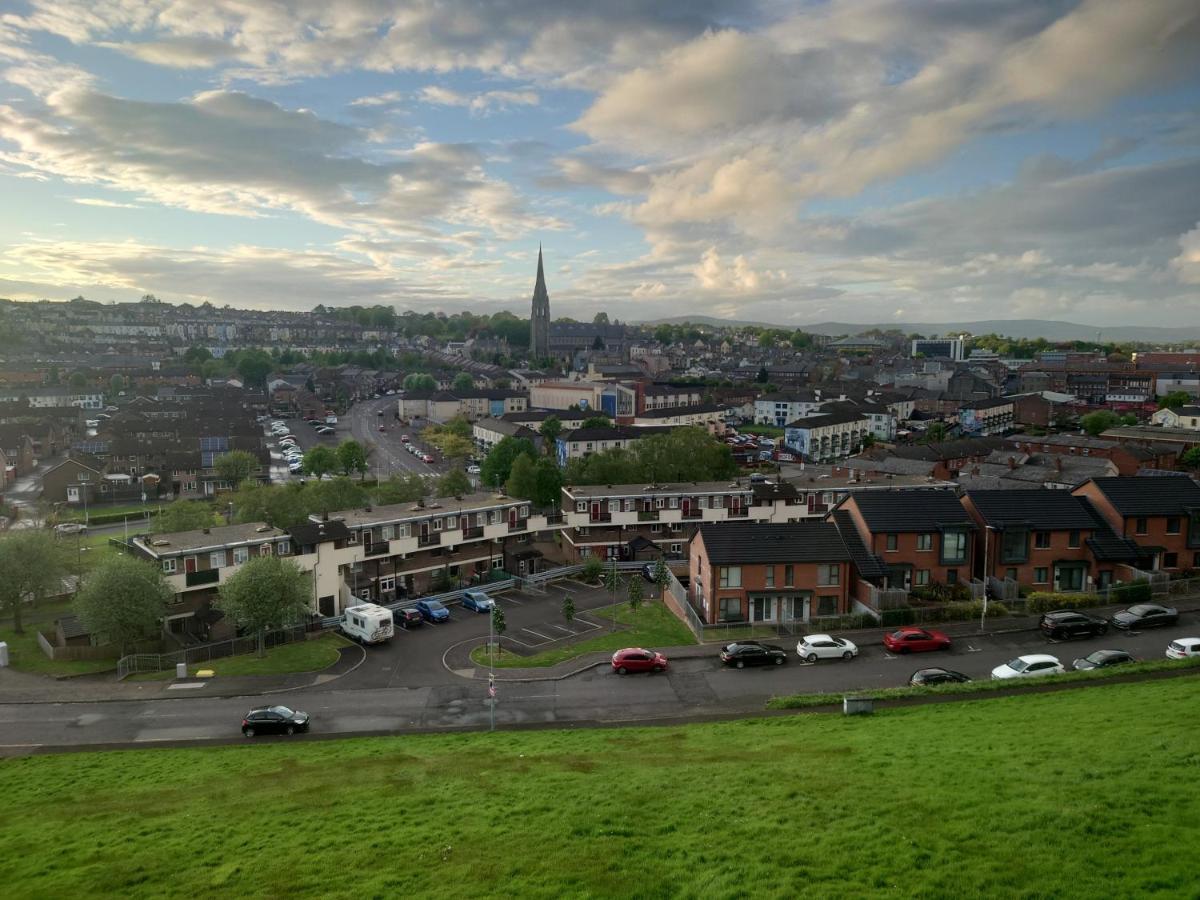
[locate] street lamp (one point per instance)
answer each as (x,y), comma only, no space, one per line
(987,529)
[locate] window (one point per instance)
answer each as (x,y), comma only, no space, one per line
(717,502)
(264,550)
(827,606)
(437,524)
(614,506)
(1041,540)
(892,543)
(656,528)
(240,555)
(921,577)
(952,576)
(924,541)
(1173,525)
(1010,574)
(769,576)
(580,506)
(169,566)
(1140,526)
(730,609)
(954,546)
(216,559)
(1041,575)
(1014,545)
(1073,538)
(387,583)
(677,548)
(789,577)
(731,576)
(674,502)
(829,574)
(524,513)
(659,502)
(402,531)
(283,548)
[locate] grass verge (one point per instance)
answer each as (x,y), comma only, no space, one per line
(653,625)
(24,654)
(802,701)
(299,656)
(641,811)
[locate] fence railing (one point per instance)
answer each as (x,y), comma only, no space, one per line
(157,662)
(1005,590)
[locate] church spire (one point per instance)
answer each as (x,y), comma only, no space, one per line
(539,320)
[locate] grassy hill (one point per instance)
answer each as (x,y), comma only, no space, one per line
(1083,793)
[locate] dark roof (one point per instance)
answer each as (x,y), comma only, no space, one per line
(886,511)
(834,418)
(667,412)
(72,627)
(1106,545)
(756,542)
(868,564)
(310,533)
(1132,496)
(774,490)
(1039,509)
(943,450)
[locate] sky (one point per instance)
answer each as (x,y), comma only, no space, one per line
(788,162)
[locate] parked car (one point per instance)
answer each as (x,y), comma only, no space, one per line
(822,646)
(70,528)
(1183,648)
(648,572)
(274,720)
(478,601)
(636,659)
(404,438)
(1061,624)
(383,428)
(474,470)
(915,640)
(1145,615)
(433,611)
(426,458)
(936,675)
(1102,659)
(409,617)
(1029,666)
(752,653)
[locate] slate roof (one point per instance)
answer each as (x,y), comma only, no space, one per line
(746,543)
(309,533)
(1150,496)
(943,450)
(868,564)
(821,421)
(1039,509)
(212,538)
(1106,545)
(886,511)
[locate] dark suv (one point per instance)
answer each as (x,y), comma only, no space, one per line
(1061,624)
(408,617)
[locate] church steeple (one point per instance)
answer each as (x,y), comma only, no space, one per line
(539,319)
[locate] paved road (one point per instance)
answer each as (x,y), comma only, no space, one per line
(390,456)
(404,686)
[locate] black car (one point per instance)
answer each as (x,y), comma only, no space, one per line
(1145,615)
(407,617)
(274,720)
(648,572)
(1061,624)
(1102,659)
(936,675)
(752,653)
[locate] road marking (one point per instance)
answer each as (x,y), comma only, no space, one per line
(560,628)
(536,634)
(971,649)
(888,656)
(514,600)
(191,685)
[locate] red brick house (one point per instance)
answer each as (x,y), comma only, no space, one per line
(759,572)
(1160,513)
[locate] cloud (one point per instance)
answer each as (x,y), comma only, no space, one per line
(478,103)
(388,98)
(1186,265)
(111,204)
(713,275)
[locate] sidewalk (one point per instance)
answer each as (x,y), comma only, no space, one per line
(22,687)
(458,660)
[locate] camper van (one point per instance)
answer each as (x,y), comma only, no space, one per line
(367,623)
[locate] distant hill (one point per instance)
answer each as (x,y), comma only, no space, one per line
(1017,328)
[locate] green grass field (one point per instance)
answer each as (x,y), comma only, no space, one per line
(300,656)
(1087,793)
(653,626)
(26,656)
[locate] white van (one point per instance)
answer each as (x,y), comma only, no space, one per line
(368,623)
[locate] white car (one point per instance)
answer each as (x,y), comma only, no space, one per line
(473,470)
(1029,666)
(1183,648)
(823,646)
(70,528)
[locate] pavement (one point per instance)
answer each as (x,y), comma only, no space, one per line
(390,457)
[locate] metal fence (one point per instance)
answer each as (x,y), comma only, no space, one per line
(157,662)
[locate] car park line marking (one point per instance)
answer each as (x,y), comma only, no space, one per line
(971,649)
(560,628)
(887,655)
(536,634)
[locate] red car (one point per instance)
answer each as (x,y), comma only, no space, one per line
(915,640)
(635,659)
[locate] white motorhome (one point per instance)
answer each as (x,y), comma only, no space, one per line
(368,623)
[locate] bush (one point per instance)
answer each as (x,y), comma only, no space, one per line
(1044,601)
(941,593)
(592,568)
(904,615)
(1134,592)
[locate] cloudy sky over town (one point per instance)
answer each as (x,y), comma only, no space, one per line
(786,162)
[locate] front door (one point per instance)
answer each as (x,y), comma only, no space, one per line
(595,510)
(761,609)
(189,564)
(512,517)
(686,506)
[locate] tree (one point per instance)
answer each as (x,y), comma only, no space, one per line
(611,578)
(548,483)
(593,569)
(254,366)
(236,466)
(323,497)
(116,384)
(265,592)
(319,460)
(762,377)
(123,599)
(662,576)
(418,381)
(1191,458)
(601,318)
(197,356)
(184,515)
(462,382)
(401,489)
(598,421)
(1098,422)
(635,593)
(282,506)
(78,381)
(499,462)
(551,429)
(455,447)
(568,608)
(935,433)
(1175,400)
(454,483)
(522,480)
(499,626)
(352,457)
(32,565)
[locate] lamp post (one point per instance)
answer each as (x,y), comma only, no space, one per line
(987,530)
(491,672)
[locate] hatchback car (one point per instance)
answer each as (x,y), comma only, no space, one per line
(474,470)
(1183,648)
(915,640)
(408,617)
(426,458)
(274,720)
(478,601)
(1145,615)
(637,659)
(752,653)
(823,646)
(433,611)
(1060,624)
(1028,666)
(70,528)
(1102,659)
(936,675)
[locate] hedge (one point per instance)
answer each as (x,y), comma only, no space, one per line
(951,612)
(1134,592)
